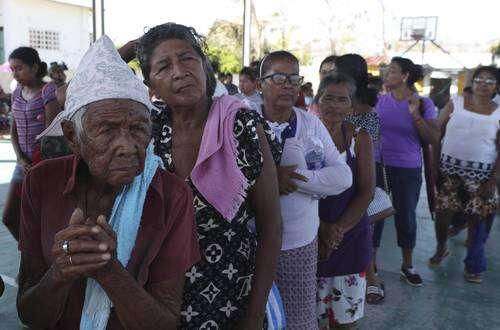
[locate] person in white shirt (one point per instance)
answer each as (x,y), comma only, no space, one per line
(468,169)
(311,168)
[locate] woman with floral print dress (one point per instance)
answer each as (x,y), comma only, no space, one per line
(223,152)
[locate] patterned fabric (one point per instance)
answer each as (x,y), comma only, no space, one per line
(30,116)
(467,169)
(296,280)
(101,75)
(369,121)
(459,194)
(341,299)
(218,287)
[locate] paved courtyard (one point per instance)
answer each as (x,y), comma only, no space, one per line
(445,301)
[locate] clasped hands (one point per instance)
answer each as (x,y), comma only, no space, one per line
(83,249)
(330,235)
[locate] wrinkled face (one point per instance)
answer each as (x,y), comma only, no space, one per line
(394,76)
(484,84)
(335,104)
(113,143)
(247,86)
(284,95)
(326,69)
(177,74)
(23,73)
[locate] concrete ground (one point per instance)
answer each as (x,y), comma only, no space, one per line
(445,301)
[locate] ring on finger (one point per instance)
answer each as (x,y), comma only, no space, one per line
(65,247)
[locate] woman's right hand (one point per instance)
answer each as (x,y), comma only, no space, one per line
(330,234)
(83,256)
(286,175)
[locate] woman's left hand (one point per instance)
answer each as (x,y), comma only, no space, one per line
(108,236)
(414,107)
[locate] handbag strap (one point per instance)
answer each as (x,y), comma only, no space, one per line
(384,171)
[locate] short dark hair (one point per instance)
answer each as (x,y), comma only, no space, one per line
(328,59)
(487,68)
(249,72)
(415,71)
(30,56)
(160,33)
(334,79)
(268,60)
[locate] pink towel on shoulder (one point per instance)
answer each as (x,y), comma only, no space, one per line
(216,174)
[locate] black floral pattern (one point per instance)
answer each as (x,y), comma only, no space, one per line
(217,288)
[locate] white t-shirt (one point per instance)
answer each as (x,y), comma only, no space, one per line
(299,210)
(220,89)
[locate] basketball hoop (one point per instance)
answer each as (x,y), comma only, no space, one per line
(418,28)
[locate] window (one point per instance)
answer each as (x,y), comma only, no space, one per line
(41,39)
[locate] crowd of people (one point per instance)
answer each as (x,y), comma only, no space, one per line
(184,202)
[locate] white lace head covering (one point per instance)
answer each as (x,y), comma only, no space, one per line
(101,75)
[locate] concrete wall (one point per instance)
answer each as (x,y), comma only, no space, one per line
(72,22)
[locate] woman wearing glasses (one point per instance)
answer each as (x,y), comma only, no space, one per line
(468,168)
(311,167)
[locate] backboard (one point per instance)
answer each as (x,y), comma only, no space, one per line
(418,28)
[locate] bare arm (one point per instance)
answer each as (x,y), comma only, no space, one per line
(442,121)
(37,287)
(264,197)
(135,307)
(427,130)
(127,51)
(51,110)
(365,186)
(21,157)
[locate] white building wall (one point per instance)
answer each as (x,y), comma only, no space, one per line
(72,22)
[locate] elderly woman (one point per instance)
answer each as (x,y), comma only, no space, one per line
(311,167)
(221,150)
(106,235)
(344,234)
(469,168)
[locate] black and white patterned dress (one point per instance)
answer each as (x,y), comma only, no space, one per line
(217,289)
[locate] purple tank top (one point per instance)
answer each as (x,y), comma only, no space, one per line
(355,250)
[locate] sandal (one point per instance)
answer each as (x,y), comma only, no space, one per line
(436,259)
(374,294)
(473,278)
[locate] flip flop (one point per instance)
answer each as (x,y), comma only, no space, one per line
(473,278)
(436,261)
(378,294)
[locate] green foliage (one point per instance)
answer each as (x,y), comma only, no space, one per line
(225,45)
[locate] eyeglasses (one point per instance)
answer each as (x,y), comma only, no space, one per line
(282,78)
(485,81)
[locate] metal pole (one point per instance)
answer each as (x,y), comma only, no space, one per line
(102,17)
(423,50)
(94,23)
(246,31)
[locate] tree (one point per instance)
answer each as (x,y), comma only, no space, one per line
(225,45)
(495,51)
